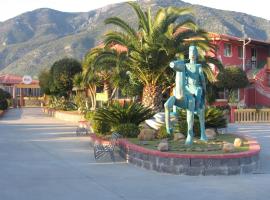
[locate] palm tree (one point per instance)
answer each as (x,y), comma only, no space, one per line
(78,82)
(105,63)
(90,80)
(154,44)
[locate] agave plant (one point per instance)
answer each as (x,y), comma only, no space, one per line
(129,113)
(214,118)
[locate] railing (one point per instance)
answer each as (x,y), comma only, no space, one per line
(251,115)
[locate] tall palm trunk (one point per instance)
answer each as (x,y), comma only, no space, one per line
(107,88)
(152,97)
(91,92)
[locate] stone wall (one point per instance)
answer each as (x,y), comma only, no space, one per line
(64,115)
(32,102)
(190,164)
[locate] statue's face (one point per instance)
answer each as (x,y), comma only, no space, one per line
(193,53)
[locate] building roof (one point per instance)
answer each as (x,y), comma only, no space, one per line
(118,47)
(216,36)
(13,79)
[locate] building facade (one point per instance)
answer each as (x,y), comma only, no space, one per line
(253,57)
(20,88)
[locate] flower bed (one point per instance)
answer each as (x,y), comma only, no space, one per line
(190,164)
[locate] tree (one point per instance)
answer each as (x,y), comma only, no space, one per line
(232,78)
(107,65)
(45,80)
(153,45)
(4,96)
(78,81)
(62,72)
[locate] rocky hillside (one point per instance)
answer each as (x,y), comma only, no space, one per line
(34,40)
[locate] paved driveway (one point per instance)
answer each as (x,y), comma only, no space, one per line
(42,159)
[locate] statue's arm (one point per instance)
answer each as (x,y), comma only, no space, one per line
(178,65)
(202,78)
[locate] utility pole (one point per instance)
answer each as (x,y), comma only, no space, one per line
(244,47)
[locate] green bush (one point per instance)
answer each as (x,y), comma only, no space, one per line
(100,127)
(214,118)
(4,94)
(89,115)
(81,102)
(4,98)
(3,104)
(127,130)
(182,123)
(129,113)
(162,133)
(61,104)
(232,77)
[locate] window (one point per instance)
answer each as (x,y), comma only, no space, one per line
(227,50)
(253,53)
(240,52)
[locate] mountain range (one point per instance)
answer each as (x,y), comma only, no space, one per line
(32,41)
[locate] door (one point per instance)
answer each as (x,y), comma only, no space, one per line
(253,58)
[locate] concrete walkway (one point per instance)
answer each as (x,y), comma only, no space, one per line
(42,159)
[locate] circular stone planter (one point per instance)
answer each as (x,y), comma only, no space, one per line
(190,164)
(2,112)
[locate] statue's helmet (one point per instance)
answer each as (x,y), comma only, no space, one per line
(193,51)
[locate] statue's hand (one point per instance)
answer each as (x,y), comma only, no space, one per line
(178,65)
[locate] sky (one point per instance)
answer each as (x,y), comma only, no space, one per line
(12,8)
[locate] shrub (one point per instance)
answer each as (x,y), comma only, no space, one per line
(129,113)
(100,127)
(3,104)
(4,94)
(127,130)
(4,97)
(61,104)
(182,123)
(214,118)
(162,133)
(81,102)
(89,115)
(232,77)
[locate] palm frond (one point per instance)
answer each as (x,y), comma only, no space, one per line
(122,24)
(143,19)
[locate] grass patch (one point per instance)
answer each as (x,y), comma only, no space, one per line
(198,147)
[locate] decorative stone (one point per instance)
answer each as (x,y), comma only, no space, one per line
(210,133)
(163,146)
(153,123)
(143,125)
(228,147)
(238,142)
(147,134)
(198,149)
(178,136)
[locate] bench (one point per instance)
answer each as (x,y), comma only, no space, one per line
(83,128)
(101,149)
